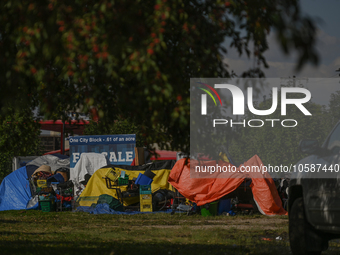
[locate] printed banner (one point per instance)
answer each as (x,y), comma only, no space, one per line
(119,149)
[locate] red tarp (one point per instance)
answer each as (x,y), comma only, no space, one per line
(206,190)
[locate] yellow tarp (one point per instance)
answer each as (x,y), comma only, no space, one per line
(97,185)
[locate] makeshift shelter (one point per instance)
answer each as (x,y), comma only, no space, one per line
(15,192)
(97,183)
(206,190)
(15,189)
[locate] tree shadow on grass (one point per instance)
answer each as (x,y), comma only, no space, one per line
(8,221)
(114,247)
(127,247)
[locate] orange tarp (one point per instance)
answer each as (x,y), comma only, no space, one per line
(206,190)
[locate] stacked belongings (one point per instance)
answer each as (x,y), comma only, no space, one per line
(43,189)
(106,181)
(64,196)
(117,180)
(18,190)
(52,190)
(39,179)
(157,200)
(145,198)
(47,202)
(63,189)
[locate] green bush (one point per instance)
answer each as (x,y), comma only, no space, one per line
(19,136)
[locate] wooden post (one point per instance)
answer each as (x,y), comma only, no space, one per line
(139,156)
(62,140)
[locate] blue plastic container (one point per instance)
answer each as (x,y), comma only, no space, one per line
(224,206)
(143,180)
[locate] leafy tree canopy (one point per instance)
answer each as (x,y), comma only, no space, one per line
(118,127)
(19,136)
(133,58)
(334,107)
(276,144)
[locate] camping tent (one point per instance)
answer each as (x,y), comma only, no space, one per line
(15,192)
(206,190)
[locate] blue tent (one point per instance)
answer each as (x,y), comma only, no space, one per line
(15,192)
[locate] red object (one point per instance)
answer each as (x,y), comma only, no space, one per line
(207,190)
(77,127)
(55,152)
(244,206)
(62,198)
(165,155)
(162,155)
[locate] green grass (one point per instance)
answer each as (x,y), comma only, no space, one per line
(36,232)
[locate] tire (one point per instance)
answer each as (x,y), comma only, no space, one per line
(299,228)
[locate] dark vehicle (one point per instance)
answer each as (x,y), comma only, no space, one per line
(314,196)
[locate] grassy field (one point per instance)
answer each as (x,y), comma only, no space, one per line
(36,232)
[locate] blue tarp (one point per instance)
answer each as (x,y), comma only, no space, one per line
(105,209)
(15,192)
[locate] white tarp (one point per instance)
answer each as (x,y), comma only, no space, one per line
(87,164)
(54,162)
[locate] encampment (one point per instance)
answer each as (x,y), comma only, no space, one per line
(170,180)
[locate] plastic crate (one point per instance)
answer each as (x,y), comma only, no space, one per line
(224,206)
(145,189)
(123,181)
(113,175)
(146,203)
(143,180)
(146,207)
(42,183)
(47,205)
(209,209)
(145,198)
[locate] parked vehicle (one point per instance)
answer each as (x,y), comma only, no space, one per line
(314,196)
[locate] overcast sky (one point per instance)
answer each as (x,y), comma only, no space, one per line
(327,18)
